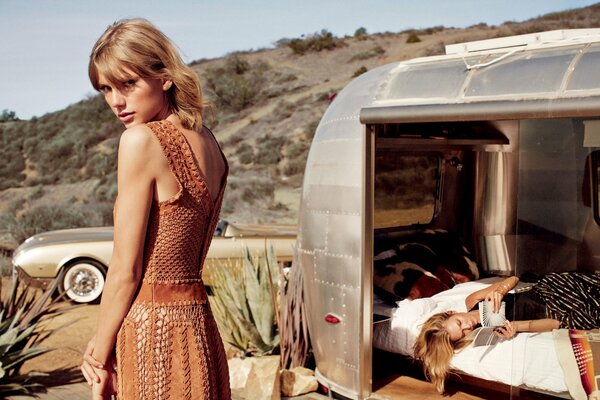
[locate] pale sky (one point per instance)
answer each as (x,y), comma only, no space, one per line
(45,44)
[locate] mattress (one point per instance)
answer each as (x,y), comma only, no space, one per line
(528,360)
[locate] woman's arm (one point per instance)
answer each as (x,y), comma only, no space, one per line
(510,329)
(536,325)
(493,293)
(135,188)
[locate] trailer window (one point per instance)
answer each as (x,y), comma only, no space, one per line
(405,188)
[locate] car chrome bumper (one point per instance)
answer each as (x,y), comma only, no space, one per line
(23,276)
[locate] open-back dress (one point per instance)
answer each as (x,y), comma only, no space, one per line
(168,346)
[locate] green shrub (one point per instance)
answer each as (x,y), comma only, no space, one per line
(360,33)
(287,78)
(7,115)
(296,149)
(106,190)
(283,110)
(100,165)
(253,191)
(57,145)
(245,153)
(238,84)
(323,96)
(269,150)
(413,38)
(359,71)
(45,218)
(237,64)
(295,166)
(374,52)
(310,129)
(36,193)
(316,42)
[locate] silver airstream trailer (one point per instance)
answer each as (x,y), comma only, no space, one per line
(498,141)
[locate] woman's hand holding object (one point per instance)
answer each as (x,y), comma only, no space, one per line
(507,331)
(495,298)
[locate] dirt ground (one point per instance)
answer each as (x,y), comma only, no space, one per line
(68,344)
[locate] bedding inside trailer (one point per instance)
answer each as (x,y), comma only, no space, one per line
(454,202)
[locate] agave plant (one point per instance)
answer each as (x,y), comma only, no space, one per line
(244,302)
(24,314)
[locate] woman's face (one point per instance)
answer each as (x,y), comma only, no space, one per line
(459,325)
(136,100)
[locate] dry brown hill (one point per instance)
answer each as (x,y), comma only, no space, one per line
(268,104)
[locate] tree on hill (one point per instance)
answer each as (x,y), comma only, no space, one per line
(8,115)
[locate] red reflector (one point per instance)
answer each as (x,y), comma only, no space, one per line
(332,319)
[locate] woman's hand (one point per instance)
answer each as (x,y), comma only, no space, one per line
(106,387)
(507,331)
(495,298)
(90,364)
(92,368)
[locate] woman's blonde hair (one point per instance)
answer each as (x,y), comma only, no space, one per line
(138,46)
(435,349)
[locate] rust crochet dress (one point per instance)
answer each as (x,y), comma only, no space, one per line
(168,346)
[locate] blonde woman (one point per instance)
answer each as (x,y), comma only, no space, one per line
(569,299)
(155,324)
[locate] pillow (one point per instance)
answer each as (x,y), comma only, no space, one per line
(407,320)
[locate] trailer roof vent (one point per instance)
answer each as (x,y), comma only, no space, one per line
(573,35)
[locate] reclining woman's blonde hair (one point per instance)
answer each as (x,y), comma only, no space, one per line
(435,349)
(138,46)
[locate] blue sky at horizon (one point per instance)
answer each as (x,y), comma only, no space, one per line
(45,44)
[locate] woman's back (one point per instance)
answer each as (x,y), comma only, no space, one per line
(169,332)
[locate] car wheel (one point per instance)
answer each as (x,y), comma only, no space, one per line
(83,281)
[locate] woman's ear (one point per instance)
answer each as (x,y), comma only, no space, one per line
(167,85)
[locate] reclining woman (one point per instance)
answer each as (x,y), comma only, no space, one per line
(559,300)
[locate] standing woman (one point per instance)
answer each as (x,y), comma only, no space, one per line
(155,323)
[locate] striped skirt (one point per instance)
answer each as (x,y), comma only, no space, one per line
(573,298)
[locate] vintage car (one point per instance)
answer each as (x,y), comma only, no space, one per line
(80,257)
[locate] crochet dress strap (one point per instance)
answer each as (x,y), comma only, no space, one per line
(182,162)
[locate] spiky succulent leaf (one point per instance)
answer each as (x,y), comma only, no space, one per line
(244,303)
(22,313)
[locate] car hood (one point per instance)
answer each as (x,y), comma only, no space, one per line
(76,235)
(241,230)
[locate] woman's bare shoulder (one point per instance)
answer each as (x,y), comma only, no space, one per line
(139,145)
(139,139)
(138,135)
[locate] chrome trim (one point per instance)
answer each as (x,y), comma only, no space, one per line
(485,110)
(366,331)
(23,276)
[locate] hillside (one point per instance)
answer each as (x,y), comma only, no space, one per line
(59,169)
